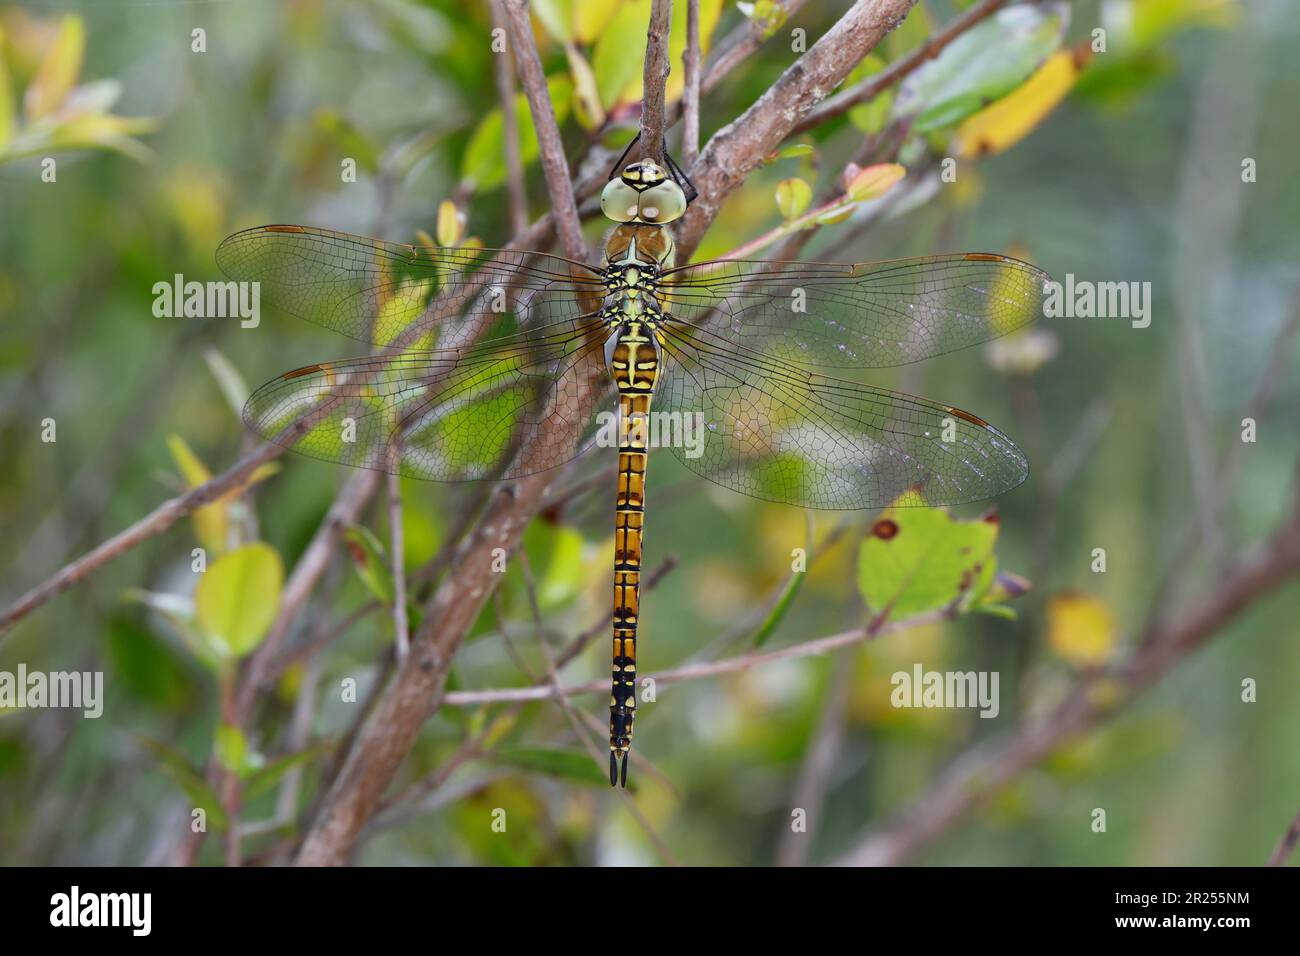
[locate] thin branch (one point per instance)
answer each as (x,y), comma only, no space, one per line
(575,719)
(741,145)
(348,504)
(1286,845)
(151,525)
(476,745)
(401,627)
(505,80)
(983,770)
(728,665)
(554,165)
(872,86)
(691,89)
(654,79)
(737,47)
(819,765)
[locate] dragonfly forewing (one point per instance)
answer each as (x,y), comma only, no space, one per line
(376,291)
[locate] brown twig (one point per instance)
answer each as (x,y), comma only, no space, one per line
(728,665)
(476,744)
(348,504)
(505,80)
(983,770)
(151,525)
(872,86)
(691,86)
(528,64)
(819,765)
(412,694)
(1286,845)
(655,76)
(737,47)
(401,628)
(736,149)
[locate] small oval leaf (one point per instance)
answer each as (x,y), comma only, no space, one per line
(237,599)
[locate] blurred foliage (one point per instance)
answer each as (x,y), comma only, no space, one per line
(1068,155)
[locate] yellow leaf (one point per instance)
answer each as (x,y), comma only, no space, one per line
(590,17)
(451,224)
(586,95)
(874,181)
(837,214)
(1080,628)
(1006,122)
(6,99)
(793,197)
(211,521)
(59,69)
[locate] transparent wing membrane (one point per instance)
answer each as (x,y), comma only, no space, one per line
(373,290)
(865,315)
(487,352)
(783,433)
(447,415)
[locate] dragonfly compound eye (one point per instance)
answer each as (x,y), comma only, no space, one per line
(663,203)
(618,201)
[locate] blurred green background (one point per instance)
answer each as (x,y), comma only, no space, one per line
(1135,176)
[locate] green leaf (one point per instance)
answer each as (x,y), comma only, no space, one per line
(556,17)
(617,59)
(793,150)
(788,594)
(265,778)
(566,764)
(982,65)
(371,565)
(231,748)
(147,667)
(484,165)
(173,765)
(348,139)
(916,28)
(556,555)
(766,15)
(793,197)
(920,559)
(233,387)
(237,598)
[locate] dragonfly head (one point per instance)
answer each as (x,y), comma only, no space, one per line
(643,192)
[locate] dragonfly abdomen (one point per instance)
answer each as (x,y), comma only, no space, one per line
(634,364)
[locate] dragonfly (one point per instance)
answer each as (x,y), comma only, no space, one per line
(485,355)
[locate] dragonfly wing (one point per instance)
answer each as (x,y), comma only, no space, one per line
(445,415)
(868,315)
(780,432)
(373,290)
